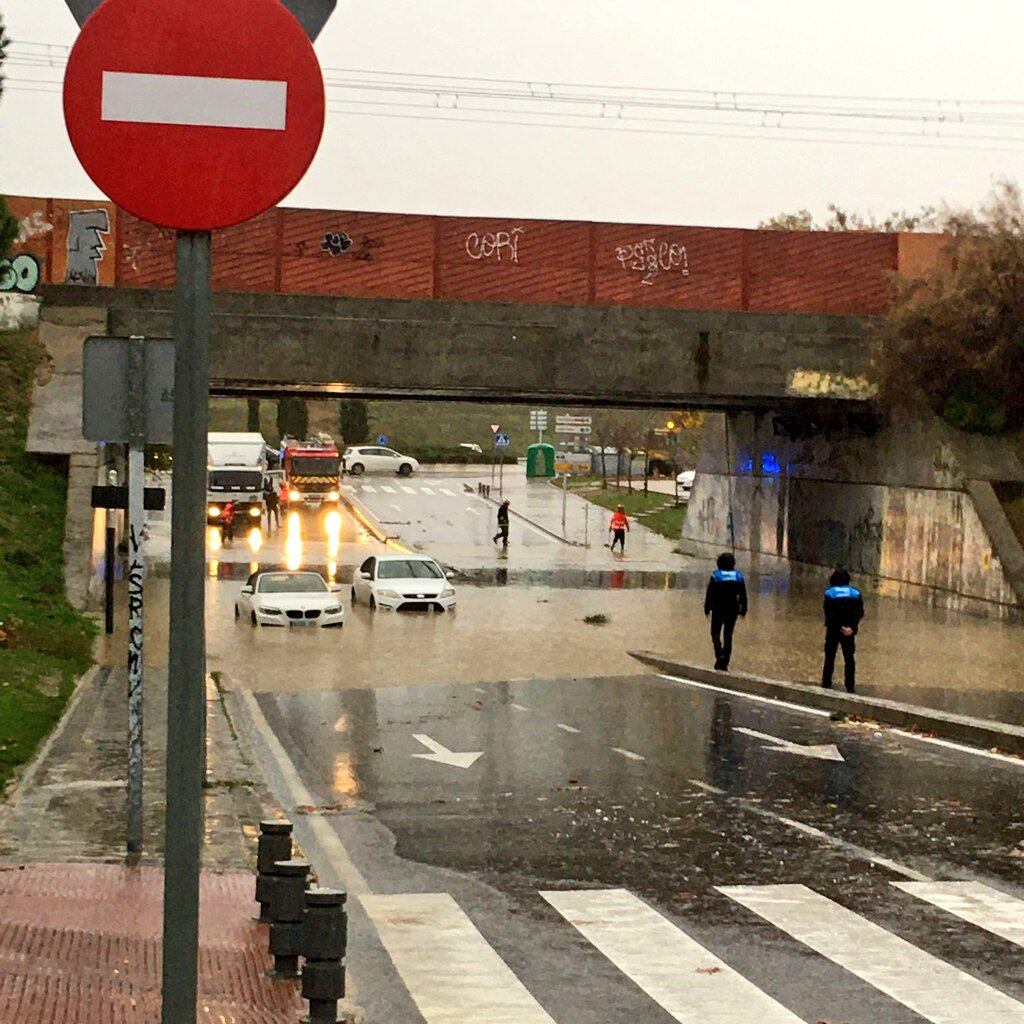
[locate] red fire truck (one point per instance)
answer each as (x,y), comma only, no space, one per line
(312,475)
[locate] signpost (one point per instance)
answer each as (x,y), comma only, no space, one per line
(539,422)
(193,116)
(382,439)
(501,442)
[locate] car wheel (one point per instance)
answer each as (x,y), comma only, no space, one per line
(373,603)
(252,619)
(405,469)
(357,469)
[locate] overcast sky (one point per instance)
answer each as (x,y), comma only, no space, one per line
(915,48)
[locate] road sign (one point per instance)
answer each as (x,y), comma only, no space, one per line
(538,418)
(154,498)
(585,421)
(495,427)
(312,14)
(502,440)
(194,116)
(573,428)
(108,380)
(382,439)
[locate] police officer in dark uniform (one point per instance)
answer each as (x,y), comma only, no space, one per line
(725,601)
(844,608)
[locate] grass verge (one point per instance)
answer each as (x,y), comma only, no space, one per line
(48,641)
(667,521)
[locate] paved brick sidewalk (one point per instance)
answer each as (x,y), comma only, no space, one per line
(81,944)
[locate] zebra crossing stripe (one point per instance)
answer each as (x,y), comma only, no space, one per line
(930,987)
(369,488)
(408,490)
(677,972)
(446,492)
(426,490)
(975,903)
(450,970)
(386,489)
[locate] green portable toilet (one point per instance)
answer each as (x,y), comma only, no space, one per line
(540,460)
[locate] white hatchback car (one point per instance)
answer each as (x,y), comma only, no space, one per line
(403,583)
(290,599)
(374,459)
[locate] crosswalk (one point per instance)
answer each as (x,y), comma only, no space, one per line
(455,976)
(433,490)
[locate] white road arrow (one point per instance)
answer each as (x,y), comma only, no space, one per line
(822,751)
(441,754)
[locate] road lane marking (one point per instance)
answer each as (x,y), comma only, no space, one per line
(442,755)
(446,492)
(677,972)
(748,696)
(449,968)
(407,489)
(369,488)
(629,754)
(567,728)
(820,751)
(850,849)
(962,747)
(194,100)
(930,987)
(474,511)
(518,707)
(387,490)
(976,903)
(427,490)
(479,689)
(293,793)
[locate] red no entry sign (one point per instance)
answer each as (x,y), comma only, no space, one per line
(194,114)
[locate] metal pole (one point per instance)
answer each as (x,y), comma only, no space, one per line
(586,524)
(565,480)
(501,473)
(109,556)
(186,694)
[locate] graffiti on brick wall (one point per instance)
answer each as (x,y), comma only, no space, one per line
(651,257)
(86,229)
(20,274)
(498,245)
(32,226)
(336,242)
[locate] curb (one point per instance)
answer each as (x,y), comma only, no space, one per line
(366,517)
(535,525)
(974,732)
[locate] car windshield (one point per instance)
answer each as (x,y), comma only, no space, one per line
(235,480)
(409,569)
(293,583)
(315,465)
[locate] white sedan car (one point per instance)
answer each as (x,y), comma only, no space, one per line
(289,599)
(374,459)
(403,583)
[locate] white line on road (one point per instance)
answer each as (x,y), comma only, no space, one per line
(408,490)
(820,751)
(479,689)
(518,707)
(474,511)
(446,492)
(567,728)
(194,100)
(442,755)
(369,488)
(387,490)
(932,988)
(629,754)
(749,696)
(295,794)
(427,490)
(450,970)
(677,972)
(840,844)
(963,748)
(974,902)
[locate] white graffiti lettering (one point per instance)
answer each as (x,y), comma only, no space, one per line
(497,244)
(652,256)
(32,226)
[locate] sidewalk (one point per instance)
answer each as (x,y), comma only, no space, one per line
(81,944)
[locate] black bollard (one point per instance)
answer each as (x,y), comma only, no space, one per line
(275,844)
(324,940)
(286,905)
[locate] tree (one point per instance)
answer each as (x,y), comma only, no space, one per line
(354,420)
(956,336)
(840,219)
(252,415)
(292,417)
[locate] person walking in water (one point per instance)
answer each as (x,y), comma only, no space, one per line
(619,526)
(273,504)
(844,608)
(502,524)
(725,602)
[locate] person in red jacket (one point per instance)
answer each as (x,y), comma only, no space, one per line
(227,518)
(619,526)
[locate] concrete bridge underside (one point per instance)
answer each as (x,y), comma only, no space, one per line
(265,345)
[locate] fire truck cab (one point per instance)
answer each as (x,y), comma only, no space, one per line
(312,474)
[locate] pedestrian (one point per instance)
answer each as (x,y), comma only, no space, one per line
(844,608)
(227,517)
(502,524)
(273,504)
(725,601)
(618,526)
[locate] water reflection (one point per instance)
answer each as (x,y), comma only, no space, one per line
(293,542)
(255,539)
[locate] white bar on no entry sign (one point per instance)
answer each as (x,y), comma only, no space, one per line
(193,100)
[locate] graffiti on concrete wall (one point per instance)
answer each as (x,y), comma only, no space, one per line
(341,243)
(86,229)
(650,257)
(336,242)
(20,274)
(32,226)
(496,245)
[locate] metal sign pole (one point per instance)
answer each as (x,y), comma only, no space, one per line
(565,482)
(186,694)
(135,575)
